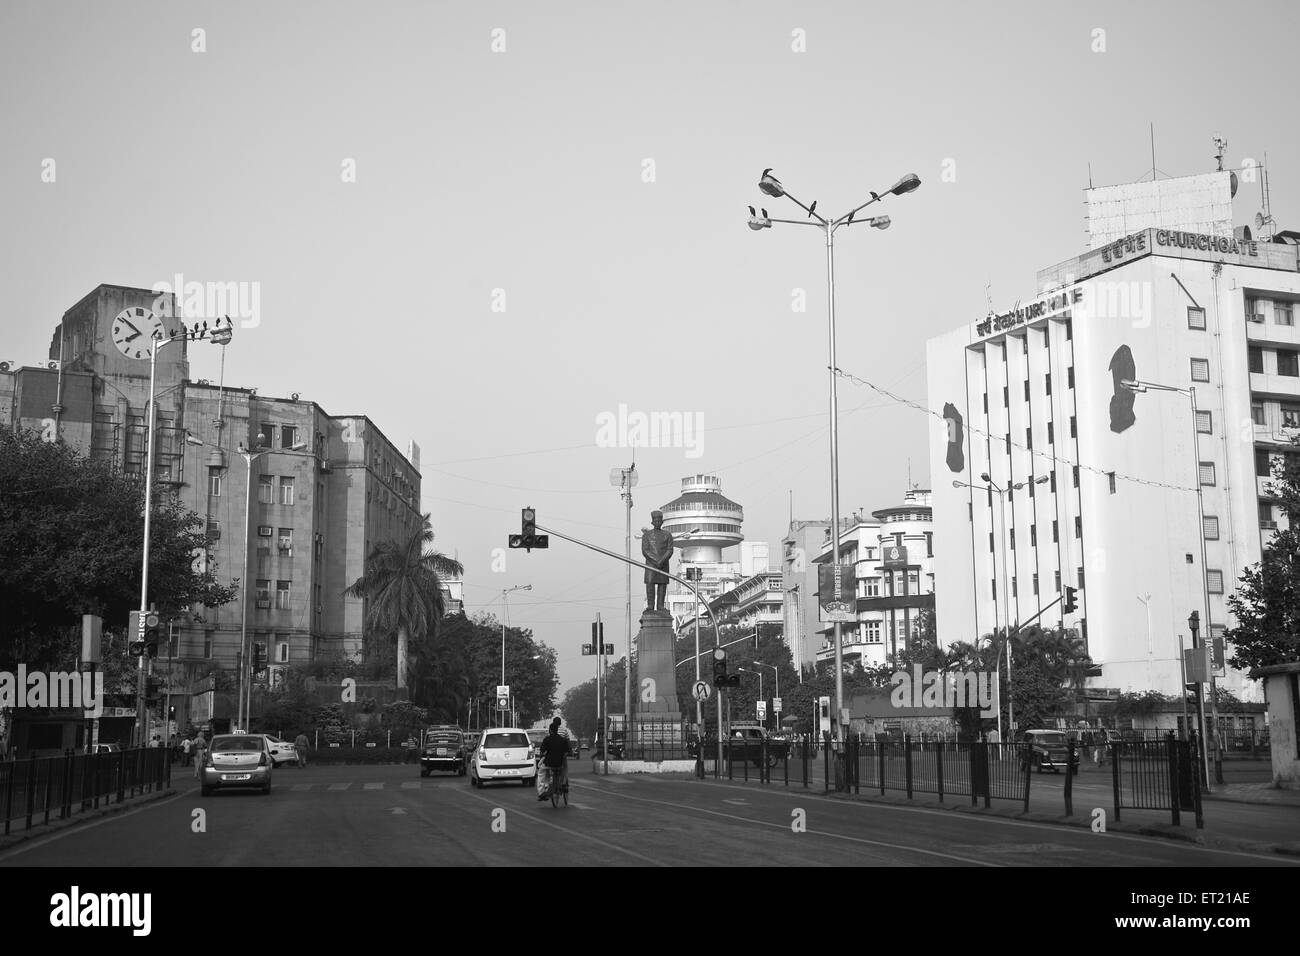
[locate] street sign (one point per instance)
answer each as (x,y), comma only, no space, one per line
(701,690)
(894,556)
(503,697)
(137,648)
(588,650)
(1196,661)
(776,705)
(762,710)
(609,649)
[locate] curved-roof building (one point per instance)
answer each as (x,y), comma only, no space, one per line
(702,506)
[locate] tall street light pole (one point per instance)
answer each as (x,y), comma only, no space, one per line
(777,676)
(1190,392)
(505,618)
(154,346)
(771,186)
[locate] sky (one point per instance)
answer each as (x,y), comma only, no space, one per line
(488,225)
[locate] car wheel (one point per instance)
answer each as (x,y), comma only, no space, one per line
(205,790)
(525,781)
(424,773)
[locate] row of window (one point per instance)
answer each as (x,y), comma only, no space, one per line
(1288,361)
(281,647)
(872,585)
(283,591)
(266,434)
(266,487)
(1056,581)
(1047,382)
(1290,415)
(1282,314)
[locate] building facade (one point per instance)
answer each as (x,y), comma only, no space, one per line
(319,490)
(1049,472)
(704,524)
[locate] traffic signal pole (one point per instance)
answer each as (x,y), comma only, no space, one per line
(140,709)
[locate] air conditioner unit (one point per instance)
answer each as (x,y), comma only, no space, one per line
(51,364)
(214,534)
(1257,317)
(264,530)
(1269,525)
(6,366)
(325,464)
(286,544)
(264,602)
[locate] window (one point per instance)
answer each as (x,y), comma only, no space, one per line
(1290,416)
(263,593)
(1263,463)
(873,631)
(1255,359)
(1053,484)
(1008,439)
(214,482)
(1069,377)
(266,489)
(1056,534)
(1200,370)
(929,544)
(282,652)
(1014,592)
(1207,472)
(1078,526)
(1031,485)
(288,436)
(1214,581)
(914,582)
(994,583)
(1048,381)
(286,491)
(898,539)
(873,587)
(1287,364)
(1033,535)
(1211,528)
(282,595)
(207,645)
(1069,330)
(1266,515)
(214,529)
(1204,422)
(1051,433)
(286,541)
(1075,473)
(1035,582)
(1195,317)
(265,434)
(1282,315)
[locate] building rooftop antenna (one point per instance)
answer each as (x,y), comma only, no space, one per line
(1220,144)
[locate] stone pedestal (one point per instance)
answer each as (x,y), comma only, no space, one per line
(655,694)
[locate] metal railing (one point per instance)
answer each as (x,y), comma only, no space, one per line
(34,790)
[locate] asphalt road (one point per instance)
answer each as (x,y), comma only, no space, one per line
(389,816)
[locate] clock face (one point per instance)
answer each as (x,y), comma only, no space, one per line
(134,330)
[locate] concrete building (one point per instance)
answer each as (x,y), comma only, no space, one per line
(892,554)
(704,524)
(325,488)
(800,546)
(1034,395)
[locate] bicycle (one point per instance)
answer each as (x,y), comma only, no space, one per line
(556,792)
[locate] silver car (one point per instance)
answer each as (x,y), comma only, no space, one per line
(237,761)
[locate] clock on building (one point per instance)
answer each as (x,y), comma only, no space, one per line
(134,329)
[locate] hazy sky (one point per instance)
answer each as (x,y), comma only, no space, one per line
(596,171)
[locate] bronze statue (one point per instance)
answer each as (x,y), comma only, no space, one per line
(657,550)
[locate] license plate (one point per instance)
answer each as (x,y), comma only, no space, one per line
(442,751)
(235,776)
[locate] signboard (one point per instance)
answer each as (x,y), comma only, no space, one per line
(762,710)
(836,597)
(588,649)
(894,556)
(776,705)
(824,715)
(1196,664)
(1217,656)
(503,697)
(701,690)
(92,630)
(1101,693)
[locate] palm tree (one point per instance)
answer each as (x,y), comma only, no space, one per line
(403,590)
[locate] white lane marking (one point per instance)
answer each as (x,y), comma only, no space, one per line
(373,786)
(301,787)
(410,785)
(576,833)
(1057,829)
(833,836)
(339,786)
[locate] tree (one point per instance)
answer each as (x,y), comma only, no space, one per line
(529,667)
(402,588)
(71,543)
(1267,601)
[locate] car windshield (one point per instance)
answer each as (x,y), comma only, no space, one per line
(1049,738)
(496,741)
(233,744)
(442,737)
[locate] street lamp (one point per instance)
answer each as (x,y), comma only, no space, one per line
(771,186)
(504,593)
(776,672)
(1140,387)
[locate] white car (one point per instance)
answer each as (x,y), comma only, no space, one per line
(282,751)
(503,754)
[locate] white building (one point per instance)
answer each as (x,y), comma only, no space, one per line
(1034,395)
(703,524)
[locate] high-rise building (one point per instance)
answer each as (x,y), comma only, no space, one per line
(703,523)
(320,492)
(1050,472)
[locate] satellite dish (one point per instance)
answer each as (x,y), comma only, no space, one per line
(1232,185)
(1259,220)
(294,396)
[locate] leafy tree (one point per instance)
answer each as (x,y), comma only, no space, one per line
(579,703)
(71,543)
(404,720)
(1267,601)
(403,591)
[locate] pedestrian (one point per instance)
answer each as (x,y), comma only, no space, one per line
(300,745)
(186,746)
(1099,746)
(200,751)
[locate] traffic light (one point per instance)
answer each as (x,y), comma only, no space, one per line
(1069,606)
(151,635)
(151,689)
(528,538)
(171,713)
(719,667)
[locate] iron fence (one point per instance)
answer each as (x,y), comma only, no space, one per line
(58,787)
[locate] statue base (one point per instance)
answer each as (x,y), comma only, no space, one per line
(655,694)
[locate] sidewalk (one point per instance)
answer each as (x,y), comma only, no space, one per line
(1261,793)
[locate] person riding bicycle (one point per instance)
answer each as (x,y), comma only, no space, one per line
(555,754)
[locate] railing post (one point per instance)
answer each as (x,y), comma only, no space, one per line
(826,761)
(1069,777)
(907,762)
(12,766)
(65,788)
(1175,791)
(880,761)
(119,760)
(938,767)
(1028,761)
(31,789)
(1114,777)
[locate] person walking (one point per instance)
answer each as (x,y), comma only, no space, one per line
(200,751)
(1099,746)
(300,745)
(186,746)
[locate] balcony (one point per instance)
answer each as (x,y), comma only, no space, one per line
(1266,383)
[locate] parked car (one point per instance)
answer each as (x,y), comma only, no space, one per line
(282,751)
(443,748)
(1049,749)
(113,748)
(504,753)
(237,761)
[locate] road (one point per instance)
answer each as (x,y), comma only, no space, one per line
(389,816)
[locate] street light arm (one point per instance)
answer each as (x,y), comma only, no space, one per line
(811,213)
(847,218)
(800,222)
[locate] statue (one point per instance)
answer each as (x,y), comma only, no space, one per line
(657,550)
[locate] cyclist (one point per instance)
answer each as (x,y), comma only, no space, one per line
(555,754)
